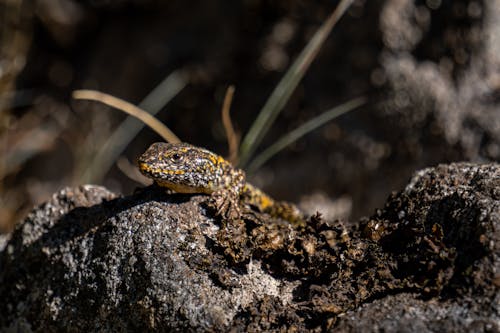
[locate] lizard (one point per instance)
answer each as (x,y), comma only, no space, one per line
(184,168)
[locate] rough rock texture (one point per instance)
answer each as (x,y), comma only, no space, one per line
(409,313)
(88,260)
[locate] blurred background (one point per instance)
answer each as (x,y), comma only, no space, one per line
(430,69)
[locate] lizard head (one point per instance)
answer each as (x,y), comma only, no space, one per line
(188,169)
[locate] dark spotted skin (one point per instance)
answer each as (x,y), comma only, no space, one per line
(185,168)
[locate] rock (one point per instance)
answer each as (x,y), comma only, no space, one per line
(408,313)
(89,260)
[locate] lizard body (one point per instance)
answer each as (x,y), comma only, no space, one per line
(185,168)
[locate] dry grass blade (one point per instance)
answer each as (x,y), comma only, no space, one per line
(130,109)
(131,171)
(287,85)
(232,137)
(302,130)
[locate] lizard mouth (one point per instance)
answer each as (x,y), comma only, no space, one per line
(155,172)
(144,168)
(150,172)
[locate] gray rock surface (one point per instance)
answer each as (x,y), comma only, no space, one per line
(89,260)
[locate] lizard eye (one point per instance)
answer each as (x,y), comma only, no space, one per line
(176,157)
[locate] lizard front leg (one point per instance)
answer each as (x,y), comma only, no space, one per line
(226,200)
(226,204)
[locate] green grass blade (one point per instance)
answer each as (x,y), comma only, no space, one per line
(302,130)
(287,85)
